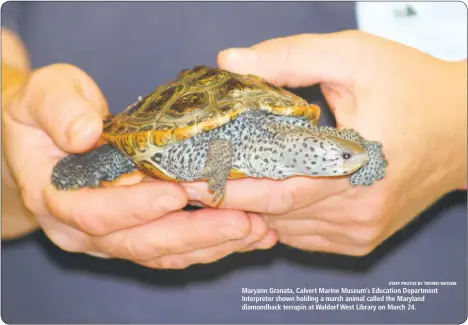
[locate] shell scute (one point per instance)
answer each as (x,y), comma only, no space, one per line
(188,103)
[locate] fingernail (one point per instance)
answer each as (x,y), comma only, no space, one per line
(239,57)
(83,128)
(192,194)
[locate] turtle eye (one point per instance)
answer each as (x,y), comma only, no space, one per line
(346,155)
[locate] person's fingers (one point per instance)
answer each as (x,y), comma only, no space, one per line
(64,236)
(104,210)
(213,253)
(14,51)
(266,242)
(299,60)
(355,206)
(306,227)
(65,103)
(269,196)
(178,232)
(317,243)
(342,103)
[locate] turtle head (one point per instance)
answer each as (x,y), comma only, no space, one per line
(325,155)
(348,155)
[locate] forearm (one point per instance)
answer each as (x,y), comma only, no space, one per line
(16,219)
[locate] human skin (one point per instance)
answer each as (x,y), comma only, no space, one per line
(412,103)
(57,110)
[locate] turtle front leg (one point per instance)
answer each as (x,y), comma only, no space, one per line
(104,163)
(217,167)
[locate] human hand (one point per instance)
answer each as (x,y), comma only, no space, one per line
(60,111)
(412,103)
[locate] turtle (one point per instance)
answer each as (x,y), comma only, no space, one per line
(210,124)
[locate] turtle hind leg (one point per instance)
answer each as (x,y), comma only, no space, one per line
(104,163)
(217,167)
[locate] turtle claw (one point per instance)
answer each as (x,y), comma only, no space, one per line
(216,187)
(218,197)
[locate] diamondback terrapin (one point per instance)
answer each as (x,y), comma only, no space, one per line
(213,125)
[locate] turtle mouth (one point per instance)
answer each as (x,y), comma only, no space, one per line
(351,167)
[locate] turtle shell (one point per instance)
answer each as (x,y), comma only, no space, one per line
(198,100)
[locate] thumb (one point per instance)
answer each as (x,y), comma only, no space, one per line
(65,103)
(300,60)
